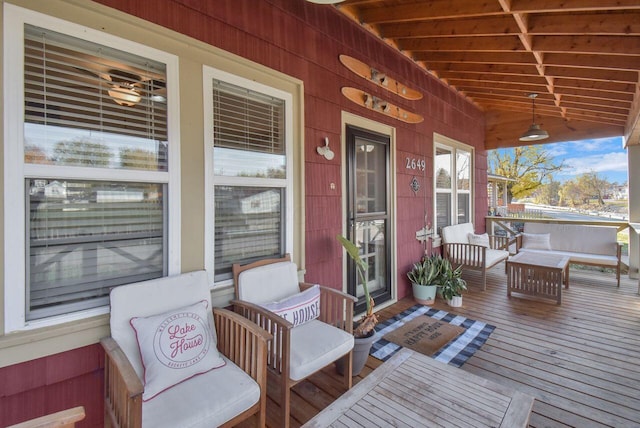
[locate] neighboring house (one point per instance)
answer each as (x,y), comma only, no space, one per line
(201,102)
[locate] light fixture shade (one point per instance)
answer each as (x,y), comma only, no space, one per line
(534,133)
(125,96)
(325,1)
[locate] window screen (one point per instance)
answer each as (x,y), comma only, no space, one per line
(249,159)
(88,107)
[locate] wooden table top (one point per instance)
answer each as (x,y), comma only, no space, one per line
(539,258)
(411,389)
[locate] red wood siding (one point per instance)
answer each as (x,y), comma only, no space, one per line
(47,385)
(302,40)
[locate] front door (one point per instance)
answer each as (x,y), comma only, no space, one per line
(368,216)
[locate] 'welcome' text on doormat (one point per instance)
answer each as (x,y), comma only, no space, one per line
(456,352)
(424,334)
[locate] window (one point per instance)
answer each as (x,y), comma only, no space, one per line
(93,160)
(248,158)
(453,184)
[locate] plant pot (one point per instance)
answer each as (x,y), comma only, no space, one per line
(361,349)
(456,301)
(424,294)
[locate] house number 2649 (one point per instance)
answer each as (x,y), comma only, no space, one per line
(413,163)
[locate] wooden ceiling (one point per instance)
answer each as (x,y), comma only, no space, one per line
(581,56)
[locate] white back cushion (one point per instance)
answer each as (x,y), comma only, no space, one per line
(269,283)
(148,298)
(458,233)
(578,238)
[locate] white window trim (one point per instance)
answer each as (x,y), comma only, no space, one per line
(208,75)
(454,146)
(14,169)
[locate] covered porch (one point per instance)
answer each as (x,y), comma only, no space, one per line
(576,359)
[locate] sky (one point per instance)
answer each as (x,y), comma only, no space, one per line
(605,156)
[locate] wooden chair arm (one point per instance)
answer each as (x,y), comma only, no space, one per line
(467,254)
(63,419)
(336,307)
(501,242)
(123,387)
(280,329)
(259,315)
(244,343)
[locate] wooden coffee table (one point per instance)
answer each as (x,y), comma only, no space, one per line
(411,389)
(538,274)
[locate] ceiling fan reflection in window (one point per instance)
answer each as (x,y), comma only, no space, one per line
(127,88)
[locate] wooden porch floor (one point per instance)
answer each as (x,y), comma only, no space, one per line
(580,360)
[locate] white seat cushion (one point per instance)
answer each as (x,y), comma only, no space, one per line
(495,256)
(580,257)
(202,401)
(314,345)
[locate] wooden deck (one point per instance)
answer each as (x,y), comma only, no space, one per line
(580,360)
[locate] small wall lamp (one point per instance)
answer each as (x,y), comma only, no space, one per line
(325,150)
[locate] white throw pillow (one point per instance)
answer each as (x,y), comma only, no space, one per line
(176,346)
(482,239)
(536,241)
(299,308)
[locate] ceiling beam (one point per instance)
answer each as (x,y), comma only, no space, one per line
(440,9)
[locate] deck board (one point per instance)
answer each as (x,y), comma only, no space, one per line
(580,360)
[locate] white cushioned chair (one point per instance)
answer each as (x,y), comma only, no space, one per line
(486,251)
(296,352)
(222,396)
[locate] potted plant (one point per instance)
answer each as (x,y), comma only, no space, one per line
(452,284)
(364,329)
(424,277)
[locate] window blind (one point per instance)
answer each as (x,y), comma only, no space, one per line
(90,105)
(87,237)
(247,120)
(249,142)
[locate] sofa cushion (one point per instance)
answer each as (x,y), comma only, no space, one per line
(600,259)
(578,238)
(458,233)
(314,345)
(268,283)
(175,346)
(300,308)
(536,241)
(482,239)
(494,257)
(200,401)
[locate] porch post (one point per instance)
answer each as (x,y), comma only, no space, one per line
(633,157)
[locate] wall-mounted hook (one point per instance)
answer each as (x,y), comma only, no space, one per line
(325,150)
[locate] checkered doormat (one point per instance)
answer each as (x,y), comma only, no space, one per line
(456,352)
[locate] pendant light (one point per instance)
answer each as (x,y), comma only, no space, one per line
(325,1)
(534,133)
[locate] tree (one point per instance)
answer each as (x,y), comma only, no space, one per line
(528,165)
(592,186)
(548,193)
(81,152)
(570,194)
(138,159)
